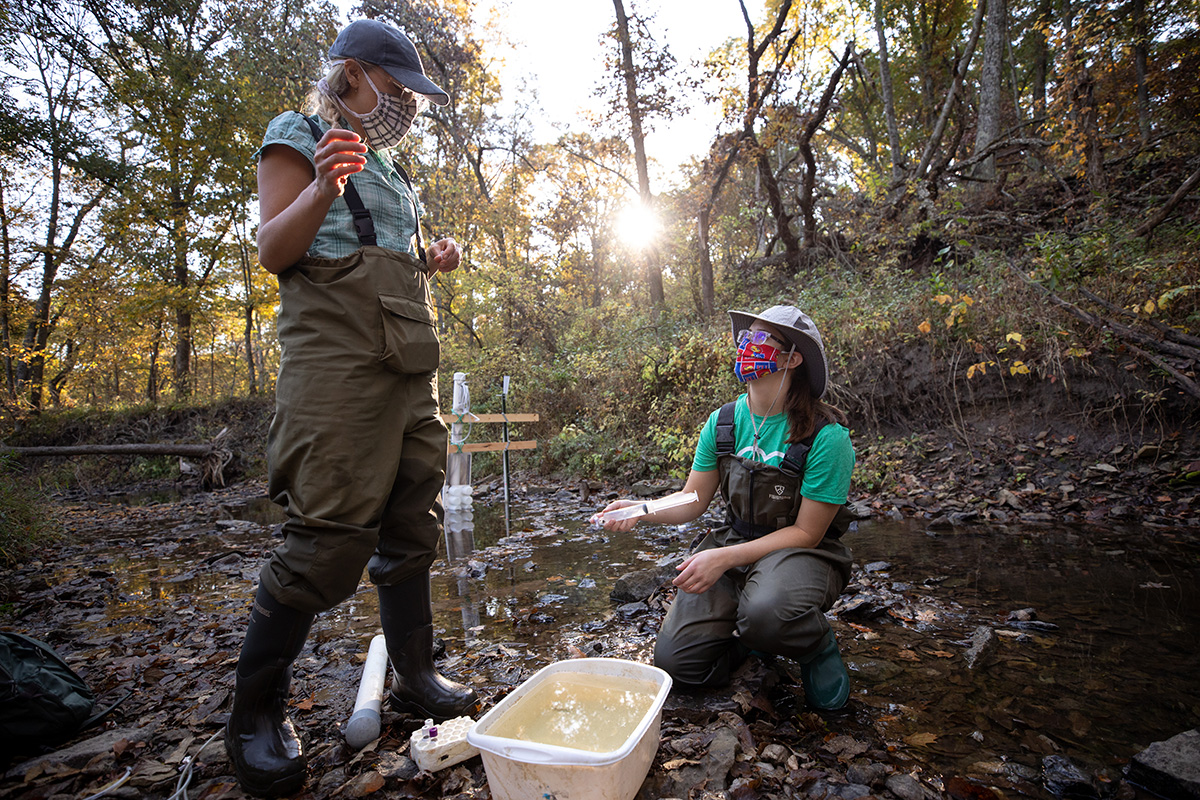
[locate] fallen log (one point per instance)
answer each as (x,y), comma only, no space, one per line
(194,450)
(213,459)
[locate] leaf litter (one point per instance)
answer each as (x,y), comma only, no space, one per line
(153,598)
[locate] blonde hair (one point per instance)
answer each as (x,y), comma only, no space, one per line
(321,103)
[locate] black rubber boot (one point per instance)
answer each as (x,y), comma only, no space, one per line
(407,620)
(262,744)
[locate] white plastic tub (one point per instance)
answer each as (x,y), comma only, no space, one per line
(523,770)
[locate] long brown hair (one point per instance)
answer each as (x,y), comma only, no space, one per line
(803,409)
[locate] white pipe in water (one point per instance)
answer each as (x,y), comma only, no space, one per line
(363,727)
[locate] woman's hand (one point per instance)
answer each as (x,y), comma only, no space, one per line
(618,525)
(700,571)
(443,256)
(340,153)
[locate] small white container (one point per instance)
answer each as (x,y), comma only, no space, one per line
(521,770)
(446,747)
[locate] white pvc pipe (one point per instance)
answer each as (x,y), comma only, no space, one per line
(363,727)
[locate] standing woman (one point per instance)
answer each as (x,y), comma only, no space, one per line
(356,451)
(782,460)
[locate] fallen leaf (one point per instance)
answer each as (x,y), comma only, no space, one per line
(921,739)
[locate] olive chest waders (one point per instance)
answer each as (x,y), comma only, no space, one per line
(356,456)
(776,605)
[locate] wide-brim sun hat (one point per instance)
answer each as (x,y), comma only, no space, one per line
(797,329)
(379,43)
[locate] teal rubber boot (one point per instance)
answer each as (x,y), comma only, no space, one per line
(826,681)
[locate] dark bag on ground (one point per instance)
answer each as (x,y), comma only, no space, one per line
(42,701)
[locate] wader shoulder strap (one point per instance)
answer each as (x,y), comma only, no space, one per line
(797,455)
(725,441)
(364,226)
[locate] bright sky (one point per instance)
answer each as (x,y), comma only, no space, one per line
(558,49)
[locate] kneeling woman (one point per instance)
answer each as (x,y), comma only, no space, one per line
(782,460)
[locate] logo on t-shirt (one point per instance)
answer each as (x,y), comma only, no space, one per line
(758,454)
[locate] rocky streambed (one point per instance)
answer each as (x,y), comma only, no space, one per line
(990,658)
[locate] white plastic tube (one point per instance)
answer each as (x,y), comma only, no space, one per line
(642,509)
(363,727)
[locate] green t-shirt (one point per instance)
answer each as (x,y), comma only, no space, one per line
(384,193)
(826,472)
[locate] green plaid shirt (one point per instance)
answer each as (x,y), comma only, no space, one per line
(385,194)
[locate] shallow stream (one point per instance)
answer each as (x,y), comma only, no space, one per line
(1106,662)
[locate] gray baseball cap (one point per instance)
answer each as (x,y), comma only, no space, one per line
(797,329)
(378,43)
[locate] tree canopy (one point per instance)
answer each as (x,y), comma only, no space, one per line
(886,161)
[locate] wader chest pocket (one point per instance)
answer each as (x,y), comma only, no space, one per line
(408,341)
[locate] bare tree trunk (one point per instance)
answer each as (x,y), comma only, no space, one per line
(1041,58)
(707,294)
(939,129)
(248,311)
(987,126)
(251,374)
(1082,109)
(214,457)
(1140,40)
(31,371)
(889,105)
(182,361)
(704,223)
(653,265)
(807,202)
(759,87)
(1089,118)
(779,212)
(10,378)
(155,349)
(755,96)
(59,381)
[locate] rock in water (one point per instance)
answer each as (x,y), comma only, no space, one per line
(636,586)
(983,644)
(1170,769)
(1064,778)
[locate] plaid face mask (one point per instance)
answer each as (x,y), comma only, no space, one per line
(387,123)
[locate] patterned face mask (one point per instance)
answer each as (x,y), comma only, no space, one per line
(387,123)
(754,358)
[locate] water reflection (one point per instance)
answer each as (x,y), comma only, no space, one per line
(1106,665)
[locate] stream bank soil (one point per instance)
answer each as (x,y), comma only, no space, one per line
(971,681)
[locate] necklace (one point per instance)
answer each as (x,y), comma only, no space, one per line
(756,427)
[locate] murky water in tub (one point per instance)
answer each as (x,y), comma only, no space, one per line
(596,713)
